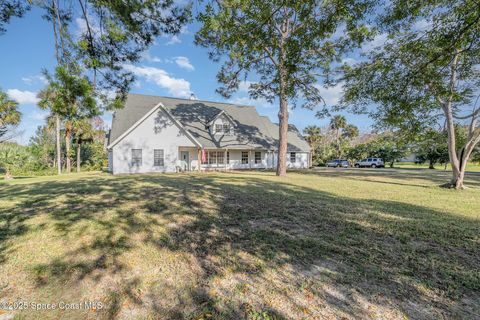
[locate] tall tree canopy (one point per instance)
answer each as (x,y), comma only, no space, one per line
(287,44)
(9,116)
(104,35)
(426,74)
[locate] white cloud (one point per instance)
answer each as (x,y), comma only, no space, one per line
(422,25)
(184,63)
(34,79)
(331,95)
(349,61)
(184,30)
(378,41)
(176,87)
(244,86)
(82,26)
(146,56)
(38,115)
(173,40)
(23,97)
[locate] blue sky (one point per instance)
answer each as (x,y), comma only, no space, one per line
(174,66)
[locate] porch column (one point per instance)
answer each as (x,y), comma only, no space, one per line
(199,159)
(225,159)
(250,158)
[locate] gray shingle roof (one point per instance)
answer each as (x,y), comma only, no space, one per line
(251,129)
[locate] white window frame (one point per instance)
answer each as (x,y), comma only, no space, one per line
(293,155)
(136,161)
(160,158)
(247,157)
(259,160)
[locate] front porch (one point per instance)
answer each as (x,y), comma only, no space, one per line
(225,159)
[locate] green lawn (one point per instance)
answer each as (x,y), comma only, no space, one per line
(472,167)
(327,244)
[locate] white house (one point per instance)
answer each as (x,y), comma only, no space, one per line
(158,134)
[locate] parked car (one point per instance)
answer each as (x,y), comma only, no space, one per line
(370,163)
(337,163)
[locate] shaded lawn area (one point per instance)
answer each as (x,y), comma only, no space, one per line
(316,245)
(471,166)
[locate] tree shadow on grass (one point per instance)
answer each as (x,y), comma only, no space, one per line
(250,239)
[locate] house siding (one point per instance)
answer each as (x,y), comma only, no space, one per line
(156,132)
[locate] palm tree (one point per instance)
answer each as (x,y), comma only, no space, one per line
(48,97)
(83,132)
(313,137)
(338,123)
(350,131)
(9,115)
(11,156)
(70,96)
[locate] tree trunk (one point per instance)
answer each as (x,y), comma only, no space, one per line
(391,164)
(68,139)
(79,158)
(283,131)
(431,164)
(57,134)
(8,175)
(457,174)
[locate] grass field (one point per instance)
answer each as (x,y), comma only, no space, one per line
(471,167)
(327,244)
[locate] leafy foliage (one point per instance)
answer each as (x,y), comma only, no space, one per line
(15,159)
(425,74)
(389,146)
(117,32)
(42,147)
(9,115)
(332,141)
(112,34)
(9,9)
(432,146)
(68,94)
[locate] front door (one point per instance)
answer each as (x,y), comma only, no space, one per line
(185,157)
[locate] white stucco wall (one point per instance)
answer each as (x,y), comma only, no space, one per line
(156,132)
(110,161)
(301,160)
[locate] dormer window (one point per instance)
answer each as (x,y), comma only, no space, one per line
(222,124)
(224,128)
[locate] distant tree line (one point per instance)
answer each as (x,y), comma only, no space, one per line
(340,140)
